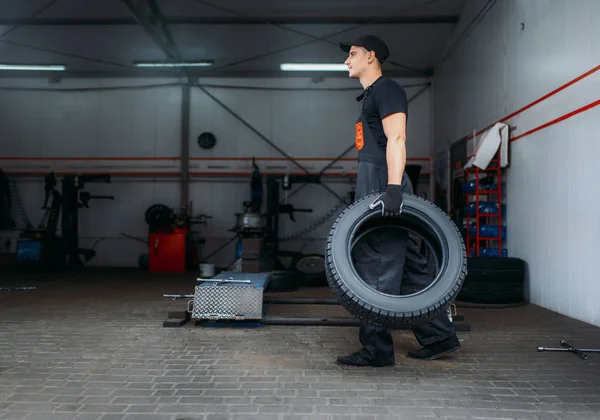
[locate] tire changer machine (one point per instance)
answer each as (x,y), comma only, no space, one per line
(172,245)
(43,247)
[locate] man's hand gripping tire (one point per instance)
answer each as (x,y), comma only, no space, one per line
(391,201)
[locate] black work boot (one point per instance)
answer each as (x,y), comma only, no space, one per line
(435,350)
(356,359)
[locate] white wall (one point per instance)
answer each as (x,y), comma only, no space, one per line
(553,221)
(123,125)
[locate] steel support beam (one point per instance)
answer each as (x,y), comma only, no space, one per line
(234,20)
(147,14)
(126,71)
(33,15)
(61,53)
(185,146)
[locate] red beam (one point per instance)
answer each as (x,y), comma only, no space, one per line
(537,101)
(557,120)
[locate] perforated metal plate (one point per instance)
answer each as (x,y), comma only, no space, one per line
(228,302)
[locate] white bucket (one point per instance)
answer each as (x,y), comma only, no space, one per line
(207,270)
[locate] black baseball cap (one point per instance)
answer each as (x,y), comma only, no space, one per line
(370,43)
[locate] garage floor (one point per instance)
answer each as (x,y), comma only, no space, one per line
(92,346)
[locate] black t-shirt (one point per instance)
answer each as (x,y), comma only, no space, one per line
(385,96)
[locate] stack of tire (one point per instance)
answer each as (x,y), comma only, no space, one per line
(493,281)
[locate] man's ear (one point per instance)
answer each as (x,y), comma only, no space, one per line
(371,56)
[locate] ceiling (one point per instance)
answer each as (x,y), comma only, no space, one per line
(96,38)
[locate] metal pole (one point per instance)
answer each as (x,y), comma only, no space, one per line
(431,144)
(185,146)
(244,19)
(301,301)
(178,296)
(297,320)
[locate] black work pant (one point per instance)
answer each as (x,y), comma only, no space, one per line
(390,261)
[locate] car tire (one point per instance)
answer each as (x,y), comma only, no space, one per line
(423,219)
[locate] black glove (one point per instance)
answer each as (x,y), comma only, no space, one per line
(390,201)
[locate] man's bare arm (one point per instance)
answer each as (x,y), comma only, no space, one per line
(394,126)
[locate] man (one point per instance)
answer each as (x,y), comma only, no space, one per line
(388,261)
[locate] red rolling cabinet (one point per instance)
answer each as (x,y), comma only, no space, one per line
(167,251)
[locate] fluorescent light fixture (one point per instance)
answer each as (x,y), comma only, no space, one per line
(313,67)
(38,67)
(172,64)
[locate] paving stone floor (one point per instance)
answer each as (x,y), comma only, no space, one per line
(90,346)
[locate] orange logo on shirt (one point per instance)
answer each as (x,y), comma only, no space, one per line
(359,137)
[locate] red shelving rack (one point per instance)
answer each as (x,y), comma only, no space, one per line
(475,242)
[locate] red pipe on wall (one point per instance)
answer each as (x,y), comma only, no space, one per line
(557,120)
(178,158)
(177,173)
(537,101)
